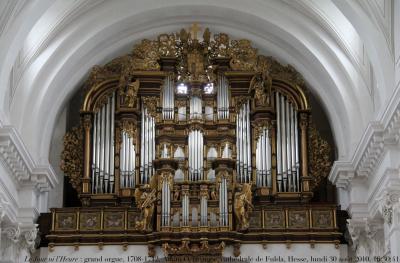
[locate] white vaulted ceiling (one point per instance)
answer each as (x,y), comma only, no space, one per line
(48,47)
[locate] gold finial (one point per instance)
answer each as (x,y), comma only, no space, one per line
(194,29)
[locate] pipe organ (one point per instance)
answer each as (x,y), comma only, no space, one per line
(190,138)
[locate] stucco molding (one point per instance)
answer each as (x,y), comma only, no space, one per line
(370,151)
(24,172)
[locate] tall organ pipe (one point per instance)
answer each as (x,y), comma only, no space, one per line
(287,145)
(279,143)
(248,134)
(94,154)
(148,146)
(103,148)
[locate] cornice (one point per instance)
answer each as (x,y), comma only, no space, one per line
(16,158)
(371,149)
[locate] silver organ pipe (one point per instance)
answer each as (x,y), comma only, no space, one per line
(127,157)
(196,153)
(203,211)
(287,146)
(243,144)
(185,210)
(195,109)
(168,98)
(94,163)
(103,148)
(222,97)
(148,146)
(165,204)
(223,203)
(263,159)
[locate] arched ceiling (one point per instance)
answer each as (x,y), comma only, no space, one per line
(48,47)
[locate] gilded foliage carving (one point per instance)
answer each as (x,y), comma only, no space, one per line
(72,156)
(145,55)
(319,162)
(220,46)
(167,45)
(188,248)
(130,128)
(194,60)
(243,55)
(151,105)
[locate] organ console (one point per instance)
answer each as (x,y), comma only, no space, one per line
(198,137)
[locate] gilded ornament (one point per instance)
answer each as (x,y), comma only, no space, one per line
(130,128)
(151,105)
(145,55)
(259,127)
(97,75)
(167,45)
(72,157)
(319,151)
(129,93)
(240,101)
(145,200)
(220,46)
(243,55)
(243,206)
(191,248)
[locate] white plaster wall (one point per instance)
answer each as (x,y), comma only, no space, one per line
(56,147)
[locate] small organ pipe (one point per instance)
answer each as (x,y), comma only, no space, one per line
(107,146)
(112,142)
(142,142)
(94,154)
(279,143)
(248,134)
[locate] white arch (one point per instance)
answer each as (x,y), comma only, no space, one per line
(109,29)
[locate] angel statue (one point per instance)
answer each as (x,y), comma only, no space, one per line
(145,202)
(243,206)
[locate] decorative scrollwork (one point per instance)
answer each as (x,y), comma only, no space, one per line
(188,248)
(243,55)
(167,45)
(220,46)
(72,157)
(146,55)
(319,163)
